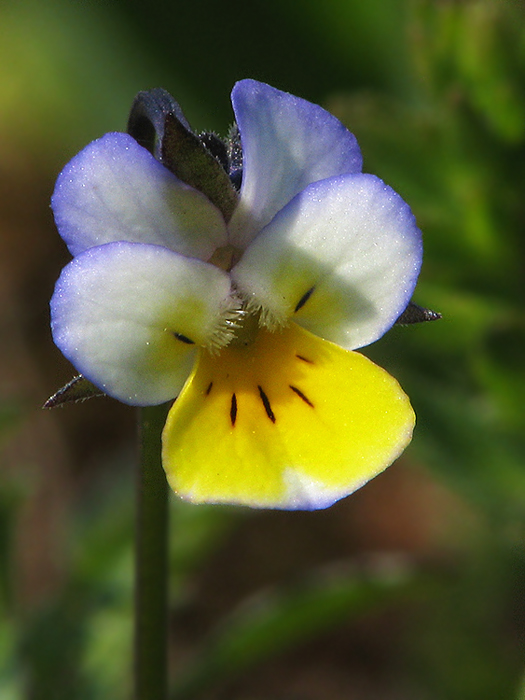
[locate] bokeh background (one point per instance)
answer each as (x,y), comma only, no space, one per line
(413,588)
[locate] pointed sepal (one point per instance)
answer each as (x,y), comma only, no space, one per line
(78,389)
(417,314)
(187,157)
(147,118)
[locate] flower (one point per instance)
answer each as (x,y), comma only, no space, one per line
(251,320)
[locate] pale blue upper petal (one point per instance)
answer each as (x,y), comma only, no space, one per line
(287,144)
(115,190)
(341,259)
(130,316)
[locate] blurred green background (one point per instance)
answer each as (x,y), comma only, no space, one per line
(413,588)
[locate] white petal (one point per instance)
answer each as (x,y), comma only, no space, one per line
(115,190)
(130,317)
(287,144)
(342,259)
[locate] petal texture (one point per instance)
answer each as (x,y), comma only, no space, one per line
(130,316)
(289,421)
(115,190)
(287,144)
(342,258)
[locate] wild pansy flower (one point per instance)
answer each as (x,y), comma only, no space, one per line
(247,308)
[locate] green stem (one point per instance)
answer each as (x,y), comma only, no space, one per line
(151,667)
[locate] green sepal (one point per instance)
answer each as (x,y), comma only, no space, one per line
(417,314)
(78,389)
(147,115)
(186,156)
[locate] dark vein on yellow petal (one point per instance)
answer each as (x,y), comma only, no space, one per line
(302,301)
(301,395)
(305,359)
(266,404)
(184,338)
(209,388)
(233,409)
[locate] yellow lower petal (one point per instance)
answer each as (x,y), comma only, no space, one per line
(288,421)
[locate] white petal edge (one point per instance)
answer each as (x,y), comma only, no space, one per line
(122,314)
(305,493)
(341,259)
(302,493)
(287,144)
(115,190)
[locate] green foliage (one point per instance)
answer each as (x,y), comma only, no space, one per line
(278,620)
(454,152)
